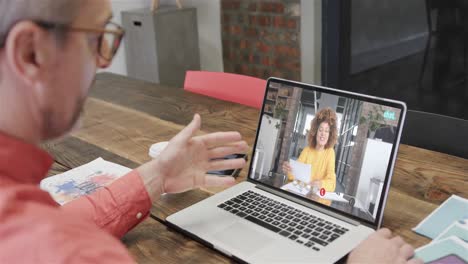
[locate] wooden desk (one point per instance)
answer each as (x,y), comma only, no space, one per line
(123,117)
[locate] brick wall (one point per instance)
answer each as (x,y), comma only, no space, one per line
(261,38)
(289,128)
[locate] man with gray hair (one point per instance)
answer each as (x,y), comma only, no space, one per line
(49,53)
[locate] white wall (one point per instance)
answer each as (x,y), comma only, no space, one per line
(209,29)
(267,139)
(374,165)
(118,64)
(209,33)
(311,41)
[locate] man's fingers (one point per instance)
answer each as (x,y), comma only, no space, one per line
(384,232)
(190,130)
(407,251)
(398,241)
(226,164)
(239,147)
(220,138)
(218,181)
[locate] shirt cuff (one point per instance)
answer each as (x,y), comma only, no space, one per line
(116,208)
(129,204)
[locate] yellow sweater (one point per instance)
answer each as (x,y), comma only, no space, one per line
(323,166)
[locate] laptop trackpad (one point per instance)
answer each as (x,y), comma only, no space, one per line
(243,237)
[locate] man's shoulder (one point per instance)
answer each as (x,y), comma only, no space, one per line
(37,220)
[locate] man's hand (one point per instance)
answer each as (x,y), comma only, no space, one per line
(381,248)
(184,163)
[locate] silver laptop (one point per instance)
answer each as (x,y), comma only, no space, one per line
(276,218)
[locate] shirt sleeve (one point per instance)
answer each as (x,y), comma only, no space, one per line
(329,181)
(116,208)
(70,240)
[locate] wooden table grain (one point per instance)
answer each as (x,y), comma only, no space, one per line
(123,117)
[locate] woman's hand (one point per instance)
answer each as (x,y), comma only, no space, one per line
(286,168)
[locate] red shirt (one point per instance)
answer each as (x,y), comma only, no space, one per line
(35,229)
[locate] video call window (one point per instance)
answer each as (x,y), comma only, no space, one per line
(330,149)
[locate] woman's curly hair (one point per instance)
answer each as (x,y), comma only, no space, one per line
(325,115)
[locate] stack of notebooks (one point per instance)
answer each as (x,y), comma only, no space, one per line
(447,226)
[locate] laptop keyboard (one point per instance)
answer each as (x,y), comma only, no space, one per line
(301,227)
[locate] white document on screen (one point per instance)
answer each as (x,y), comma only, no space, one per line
(300,171)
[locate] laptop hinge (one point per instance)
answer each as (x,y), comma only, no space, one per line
(322,210)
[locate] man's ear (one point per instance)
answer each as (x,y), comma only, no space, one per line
(27,49)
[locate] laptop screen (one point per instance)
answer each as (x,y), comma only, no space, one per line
(330,147)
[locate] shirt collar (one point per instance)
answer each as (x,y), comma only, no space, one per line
(22,162)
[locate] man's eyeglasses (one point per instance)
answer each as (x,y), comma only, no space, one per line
(109,39)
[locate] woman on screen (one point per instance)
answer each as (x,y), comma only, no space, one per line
(320,151)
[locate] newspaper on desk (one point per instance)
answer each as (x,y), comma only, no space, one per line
(332,196)
(448,227)
(302,190)
(296,188)
(82,180)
